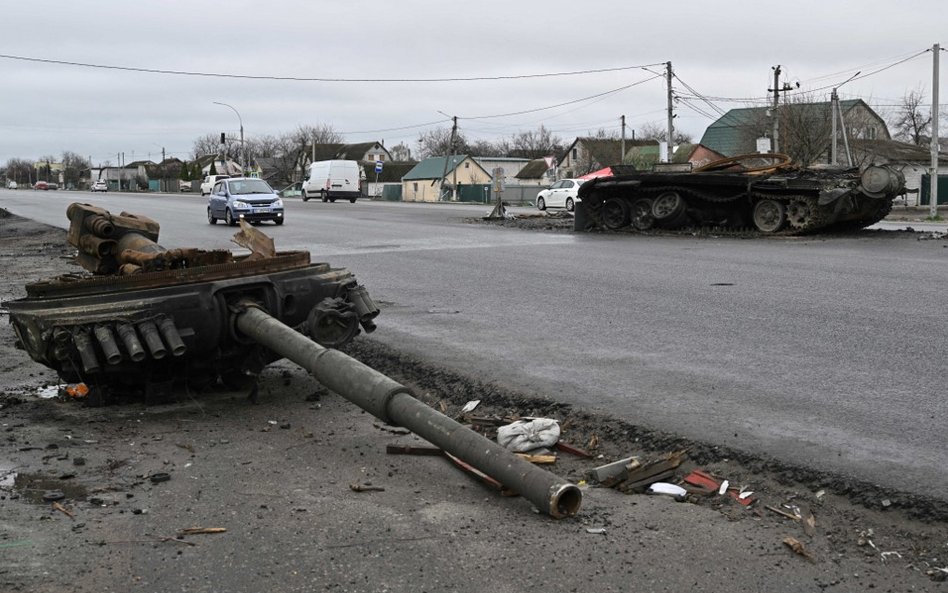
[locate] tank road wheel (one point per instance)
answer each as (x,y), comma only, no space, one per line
(569,204)
(210,217)
(640,214)
(541,204)
(800,214)
(769,215)
(229,218)
(615,213)
(667,206)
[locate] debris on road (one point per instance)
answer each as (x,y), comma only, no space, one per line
(63,510)
(201,530)
(529,434)
(413,450)
(797,547)
(356,487)
(673,490)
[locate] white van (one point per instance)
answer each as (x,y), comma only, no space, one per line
(331,180)
(208,184)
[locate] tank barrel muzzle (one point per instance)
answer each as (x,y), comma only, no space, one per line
(126,333)
(106,340)
(394,403)
(152,340)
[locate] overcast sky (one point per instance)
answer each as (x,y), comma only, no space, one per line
(723,50)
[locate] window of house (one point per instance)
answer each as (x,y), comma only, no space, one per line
(381,157)
(467,165)
(575,153)
(414,187)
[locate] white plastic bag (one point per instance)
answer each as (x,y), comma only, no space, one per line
(526,435)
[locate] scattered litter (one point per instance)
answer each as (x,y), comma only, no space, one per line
(201,530)
(611,471)
(596,530)
(49,392)
(631,476)
(593,443)
(413,450)
(64,511)
(820,495)
(932,235)
(723,487)
(745,495)
(797,547)
(567,448)
(526,435)
(673,490)
(537,459)
(885,555)
(51,495)
(809,523)
(938,574)
(365,488)
(77,391)
(480,476)
(469,406)
(886,503)
(782,512)
(158,477)
(865,539)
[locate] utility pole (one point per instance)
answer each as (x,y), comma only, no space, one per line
(933,209)
(622,149)
(444,172)
(671,113)
(776,90)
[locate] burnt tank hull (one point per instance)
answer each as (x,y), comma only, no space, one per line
(782,200)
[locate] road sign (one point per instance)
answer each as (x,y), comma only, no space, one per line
(378,166)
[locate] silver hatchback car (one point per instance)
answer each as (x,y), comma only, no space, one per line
(245,198)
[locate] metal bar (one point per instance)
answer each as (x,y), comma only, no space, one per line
(393,403)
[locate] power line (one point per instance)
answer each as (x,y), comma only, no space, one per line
(313,79)
(574,101)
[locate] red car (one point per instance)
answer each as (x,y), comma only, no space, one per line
(41,185)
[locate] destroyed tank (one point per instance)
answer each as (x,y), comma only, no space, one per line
(145,317)
(762,192)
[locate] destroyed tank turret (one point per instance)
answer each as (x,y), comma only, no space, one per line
(762,192)
(149,318)
(145,317)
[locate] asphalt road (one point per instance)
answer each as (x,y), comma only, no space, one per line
(825,352)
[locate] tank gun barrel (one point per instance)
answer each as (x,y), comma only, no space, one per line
(394,403)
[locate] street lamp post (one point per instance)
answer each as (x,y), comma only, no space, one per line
(239,119)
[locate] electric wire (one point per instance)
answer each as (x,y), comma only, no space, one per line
(314,79)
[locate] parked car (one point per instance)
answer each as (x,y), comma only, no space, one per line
(41,185)
(236,198)
(52,185)
(294,190)
(11,184)
(331,180)
(208,184)
(184,185)
(561,194)
(100,185)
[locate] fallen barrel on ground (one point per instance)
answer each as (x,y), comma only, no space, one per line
(394,403)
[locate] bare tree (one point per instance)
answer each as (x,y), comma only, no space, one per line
(20,170)
(211,144)
(73,166)
(911,122)
(437,142)
(400,152)
(534,144)
(656,131)
(305,136)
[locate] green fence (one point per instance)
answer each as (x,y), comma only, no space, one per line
(392,193)
(925,195)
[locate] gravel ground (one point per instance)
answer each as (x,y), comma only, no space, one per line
(277,477)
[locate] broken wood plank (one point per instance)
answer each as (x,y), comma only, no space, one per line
(201,530)
(481,476)
(365,488)
(537,459)
(567,448)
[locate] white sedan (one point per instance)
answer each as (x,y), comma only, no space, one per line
(561,194)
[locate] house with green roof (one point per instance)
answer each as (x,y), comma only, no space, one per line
(438,178)
(804,130)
